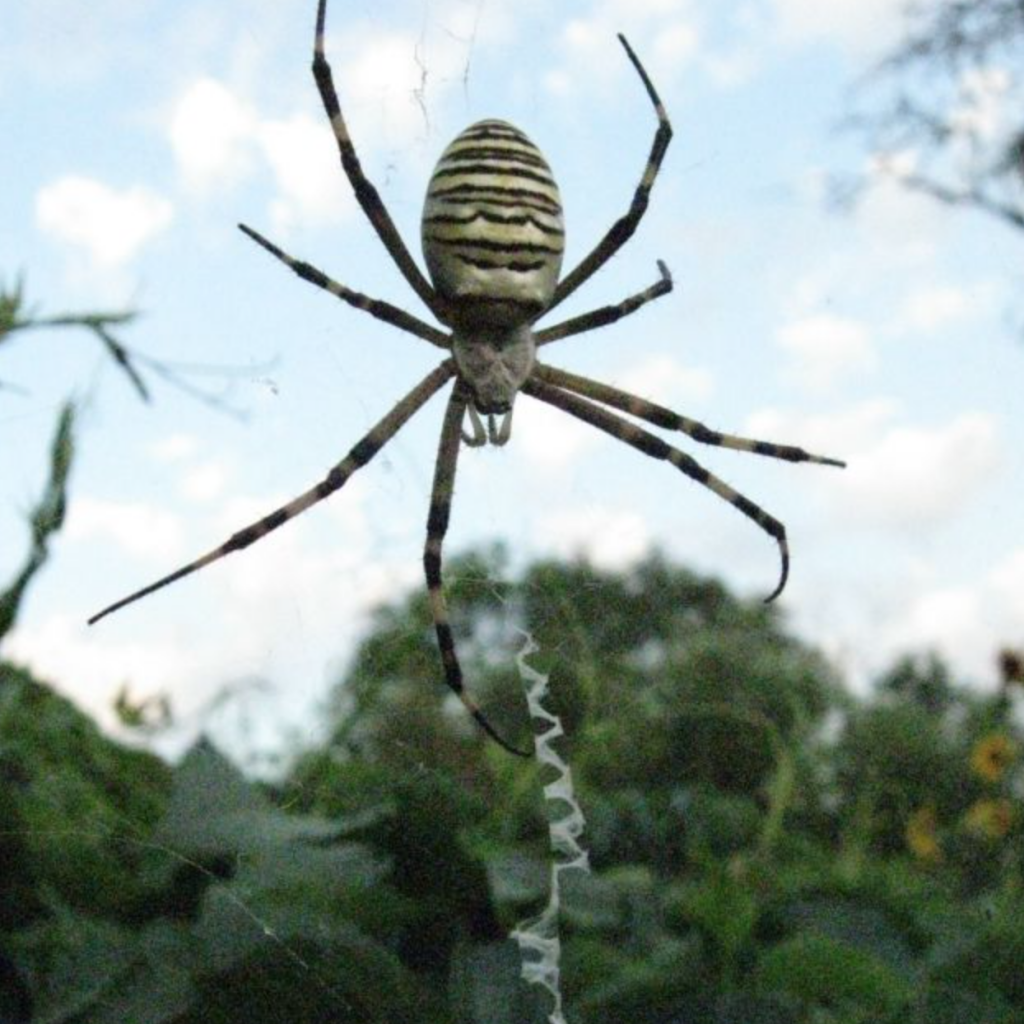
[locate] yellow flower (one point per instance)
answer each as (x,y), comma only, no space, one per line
(921,834)
(992,755)
(991,818)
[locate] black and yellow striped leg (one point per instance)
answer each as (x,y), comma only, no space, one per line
(333,481)
(654,446)
(622,230)
(375,307)
(607,314)
(662,417)
(437,527)
(368,197)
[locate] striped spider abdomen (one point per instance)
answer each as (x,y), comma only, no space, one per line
(493,234)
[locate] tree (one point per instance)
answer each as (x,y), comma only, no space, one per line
(712,683)
(762,849)
(943,111)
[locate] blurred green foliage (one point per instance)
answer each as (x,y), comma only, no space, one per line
(45,520)
(765,847)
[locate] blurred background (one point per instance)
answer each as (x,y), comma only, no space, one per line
(842,212)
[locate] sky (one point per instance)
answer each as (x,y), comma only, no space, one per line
(138,134)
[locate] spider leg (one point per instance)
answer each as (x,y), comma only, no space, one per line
(361,454)
(368,197)
(654,446)
(662,417)
(437,527)
(375,307)
(620,232)
(607,314)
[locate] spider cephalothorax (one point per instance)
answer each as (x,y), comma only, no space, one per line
(495,362)
(493,240)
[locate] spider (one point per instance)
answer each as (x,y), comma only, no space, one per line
(493,241)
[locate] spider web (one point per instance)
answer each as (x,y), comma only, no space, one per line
(538,939)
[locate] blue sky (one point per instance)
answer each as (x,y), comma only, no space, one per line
(138,135)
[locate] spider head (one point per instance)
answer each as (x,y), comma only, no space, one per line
(494,363)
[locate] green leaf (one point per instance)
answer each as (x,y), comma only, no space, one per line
(951,1004)
(342,976)
(156,985)
(486,987)
(647,988)
(865,927)
(75,806)
(214,810)
(719,905)
(590,901)
(518,878)
(824,971)
(72,962)
(746,1008)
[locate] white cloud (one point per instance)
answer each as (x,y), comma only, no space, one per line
(898,477)
(894,163)
(302,154)
(283,612)
(661,377)
(110,225)
(863,27)
(985,107)
(610,538)
(898,236)
(204,482)
(176,447)
(137,528)
(824,349)
(280,611)
(731,69)
(933,306)
(914,477)
(386,73)
(346,510)
(951,619)
(218,139)
(1007,584)
(558,82)
(211,133)
(391,83)
(966,622)
(675,45)
(664,30)
(839,434)
(61,648)
(904,228)
(549,439)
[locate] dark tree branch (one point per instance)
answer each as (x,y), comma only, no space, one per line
(14,319)
(970,197)
(927,97)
